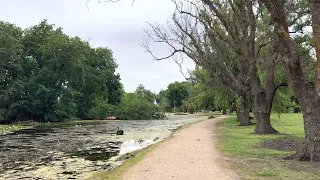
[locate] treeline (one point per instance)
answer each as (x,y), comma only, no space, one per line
(46,75)
(255,51)
(196,96)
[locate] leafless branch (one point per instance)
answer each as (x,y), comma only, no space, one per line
(180,64)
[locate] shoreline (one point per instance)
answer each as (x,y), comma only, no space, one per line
(95,142)
(137,156)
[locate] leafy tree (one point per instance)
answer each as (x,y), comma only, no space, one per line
(202,97)
(48,76)
(177,93)
(134,107)
(163,102)
(283,14)
(146,94)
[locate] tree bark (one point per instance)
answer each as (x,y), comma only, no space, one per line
(243,114)
(263,105)
(311,148)
(263,97)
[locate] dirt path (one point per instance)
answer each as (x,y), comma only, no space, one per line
(190,154)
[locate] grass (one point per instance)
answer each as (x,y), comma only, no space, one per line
(254,162)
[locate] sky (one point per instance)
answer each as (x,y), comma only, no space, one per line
(118,26)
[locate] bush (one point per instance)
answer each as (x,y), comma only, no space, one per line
(136,108)
(190,109)
(100,110)
(185,106)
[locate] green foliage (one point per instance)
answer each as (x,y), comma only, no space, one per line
(100,109)
(191,108)
(145,94)
(45,75)
(185,106)
(202,97)
(282,102)
(135,107)
(223,99)
(177,93)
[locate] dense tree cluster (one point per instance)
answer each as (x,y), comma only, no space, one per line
(47,75)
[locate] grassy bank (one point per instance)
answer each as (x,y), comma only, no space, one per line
(261,156)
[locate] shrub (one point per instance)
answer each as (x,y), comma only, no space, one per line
(190,108)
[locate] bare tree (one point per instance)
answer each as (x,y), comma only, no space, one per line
(189,34)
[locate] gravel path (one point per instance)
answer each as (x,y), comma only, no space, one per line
(190,154)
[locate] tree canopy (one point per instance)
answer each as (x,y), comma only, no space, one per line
(50,76)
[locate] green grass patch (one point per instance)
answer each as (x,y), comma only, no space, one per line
(252,161)
(267,173)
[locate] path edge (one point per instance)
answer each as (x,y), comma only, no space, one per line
(117,173)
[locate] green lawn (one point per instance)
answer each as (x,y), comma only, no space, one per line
(255,162)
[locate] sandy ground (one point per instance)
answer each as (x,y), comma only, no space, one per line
(191,154)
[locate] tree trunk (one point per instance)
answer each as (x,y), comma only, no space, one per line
(311,148)
(263,105)
(263,97)
(243,114)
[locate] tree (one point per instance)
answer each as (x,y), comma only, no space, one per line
(305,90)
(177,93)
(11,70)
(217,37)
(163,102)
(225,97)
(202,97)
(138,106)
(48,76)
(146,94)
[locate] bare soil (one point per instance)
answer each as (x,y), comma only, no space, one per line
(282,144)
(190,154)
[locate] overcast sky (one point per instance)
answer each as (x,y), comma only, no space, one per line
(114,25)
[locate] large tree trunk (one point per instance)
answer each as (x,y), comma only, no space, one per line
(263,105)
(311,149)
(263,97)
(243,114)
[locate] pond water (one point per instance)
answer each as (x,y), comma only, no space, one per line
(73,150)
